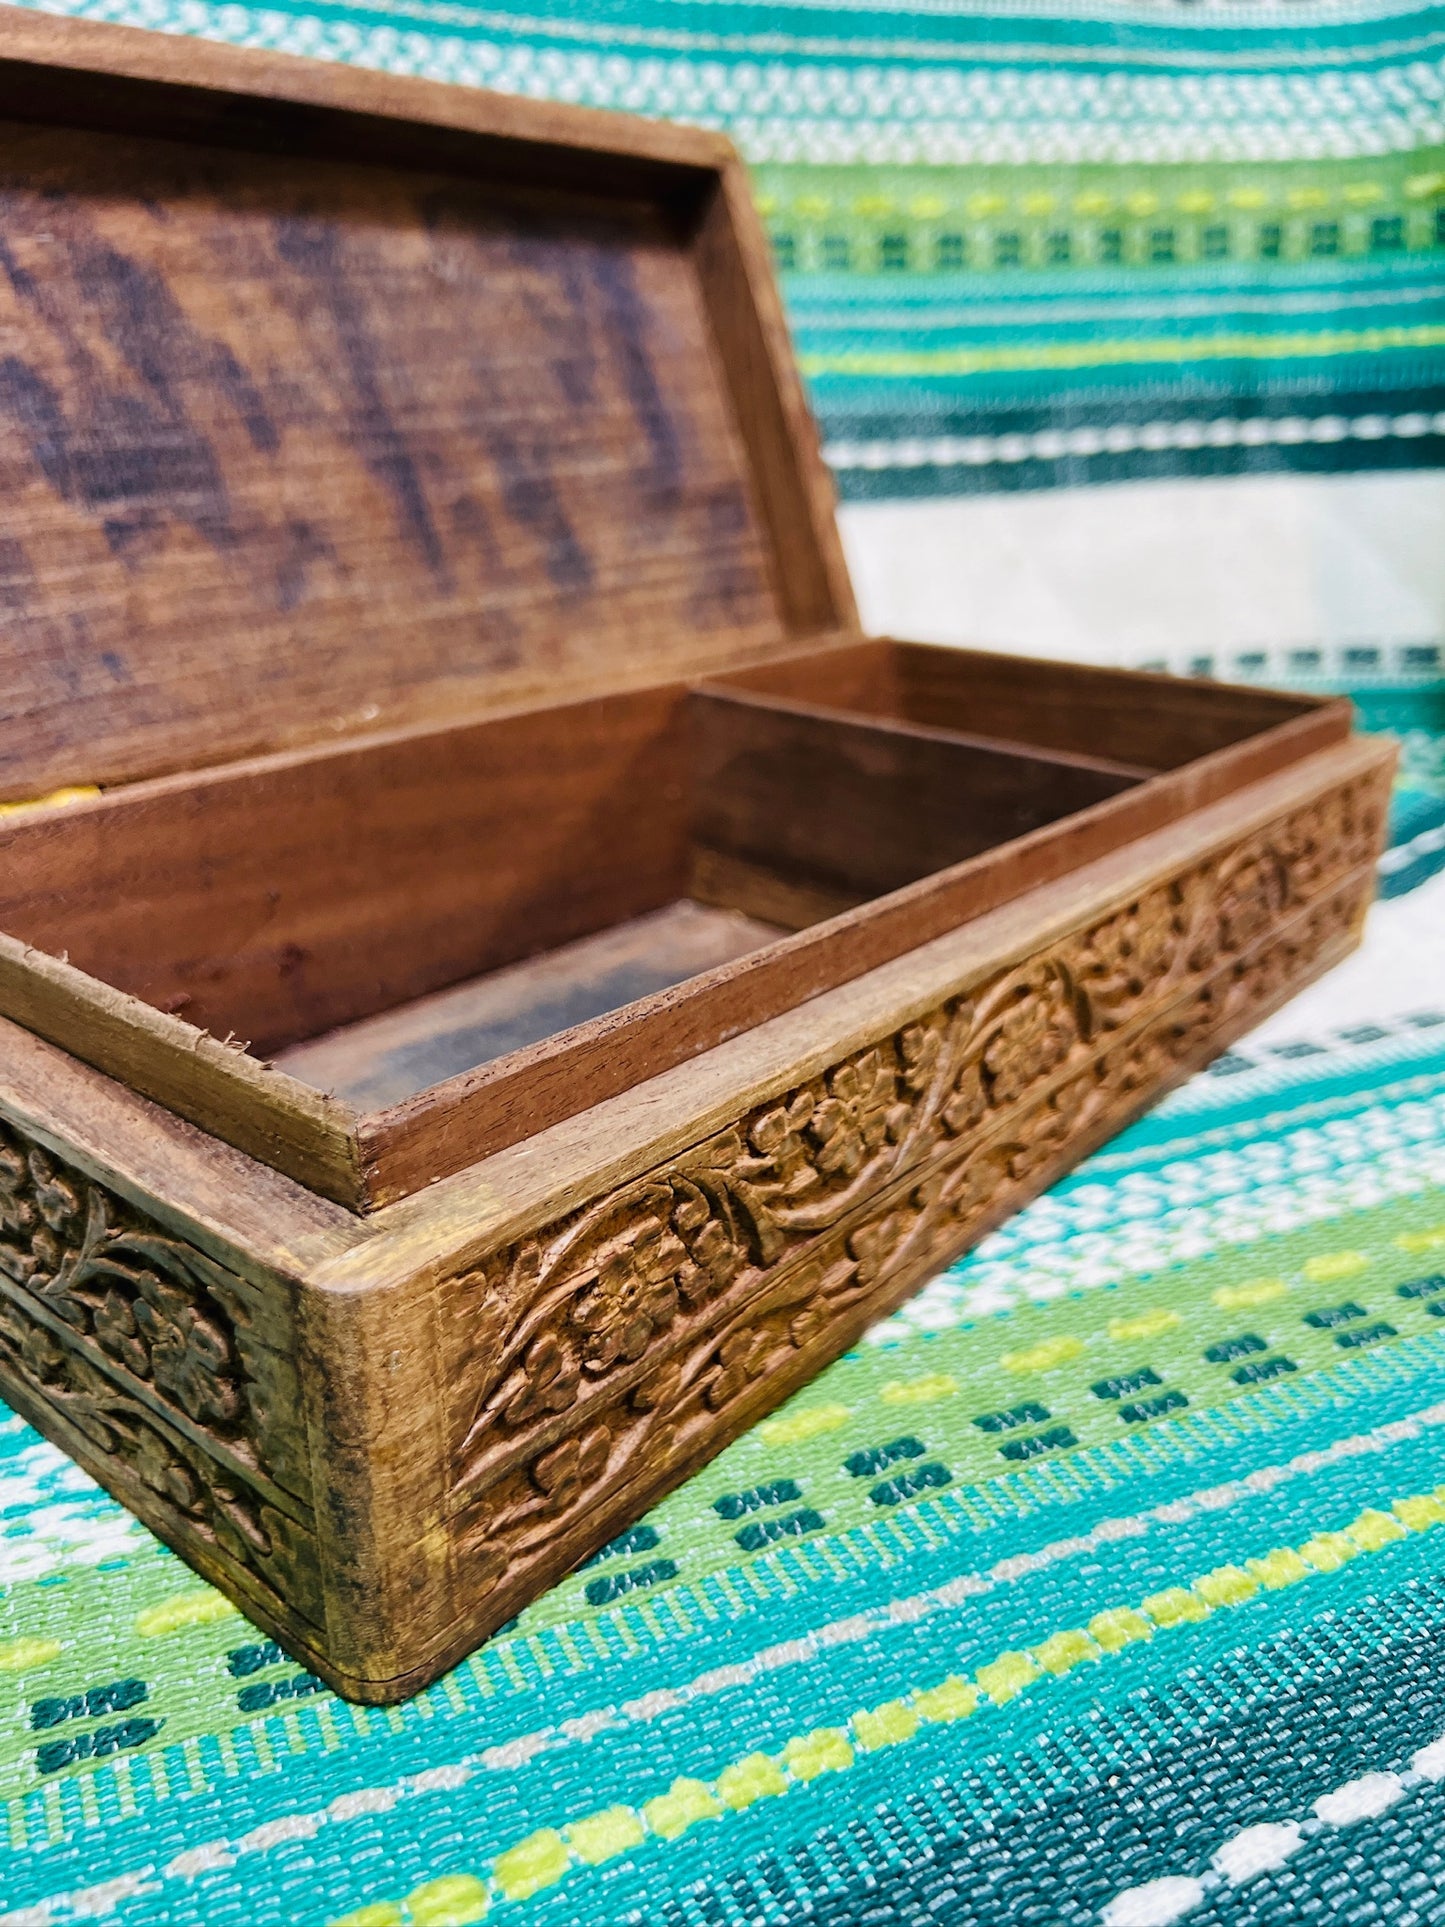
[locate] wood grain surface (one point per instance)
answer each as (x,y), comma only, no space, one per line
(292,446)
(1132,719)
(311,889)
(384,1059)
(863,806)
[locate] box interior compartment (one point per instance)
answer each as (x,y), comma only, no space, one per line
(383,915)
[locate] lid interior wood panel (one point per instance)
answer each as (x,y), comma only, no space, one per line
(293,444)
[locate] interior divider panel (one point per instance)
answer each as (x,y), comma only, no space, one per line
(862,805)
(1128,718)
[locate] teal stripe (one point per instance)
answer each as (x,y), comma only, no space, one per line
(1172,1734)
(916,38)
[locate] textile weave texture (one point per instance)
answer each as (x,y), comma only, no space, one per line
(1105,1582)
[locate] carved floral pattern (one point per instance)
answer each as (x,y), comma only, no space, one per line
(1040,1021)
(197,1493)
(135,1307)
(604,1348)
(857,1269)
(994,1084)
(152,1303)
(1132,950)
(860,1112)
(633,1297)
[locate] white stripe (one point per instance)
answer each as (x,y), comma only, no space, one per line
(1123,438)
(1266,1847)
(892,100)
(1427,843)
(506,1758)
(1156,1904)
(1259,1849)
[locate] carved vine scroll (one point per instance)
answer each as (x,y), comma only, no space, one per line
(144,1344)
(857,1268)
(626,1326)
(599,1350)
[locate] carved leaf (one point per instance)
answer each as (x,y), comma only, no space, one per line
(157,1309)
(774,1228)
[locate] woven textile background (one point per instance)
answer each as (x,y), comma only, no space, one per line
(1105,1583)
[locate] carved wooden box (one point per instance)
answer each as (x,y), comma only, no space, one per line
(516,983)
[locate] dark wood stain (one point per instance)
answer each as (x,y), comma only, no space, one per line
(295,442)
(132,454)
(313,246)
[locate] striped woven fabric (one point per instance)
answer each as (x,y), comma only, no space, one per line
(1030,241)
(1105,1583)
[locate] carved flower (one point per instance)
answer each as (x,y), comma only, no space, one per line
(57,1201)
(777,1137)
(17,1207)
(190,1355)
(164,1471)
(547,1381)
(742,1358)
(1332,836)
(43,1211)
(1033,1038)
(968,1101)
(1238,906)
(562,1473)
(859,1113)
(1131,951)
(118,1334)
(44,1357)
(1305,848)
(634,1296)
(713,1260)
(19,1259)
(921,1046)
(1246,904)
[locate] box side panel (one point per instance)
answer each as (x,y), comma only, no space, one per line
(149,1287)
(594,1360)
(805,787)
(260,1110)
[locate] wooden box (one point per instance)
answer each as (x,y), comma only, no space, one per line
(522,982)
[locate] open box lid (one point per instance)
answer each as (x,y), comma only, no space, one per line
(334,401)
